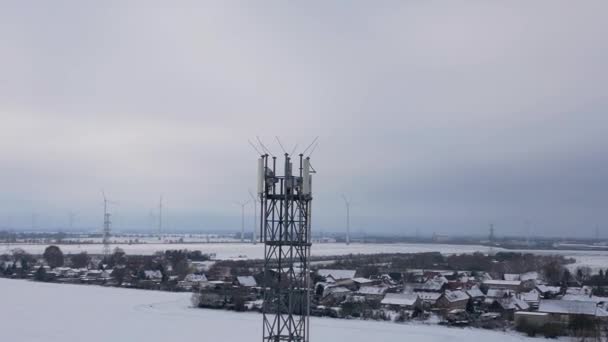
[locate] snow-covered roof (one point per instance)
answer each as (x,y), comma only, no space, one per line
(513,303)
(153,274)
(475,292)
(511,277)
(337,274)
(532,296)
(502,282)
(499,293)
(372,290)
(584,290)
(195,278)
(404,299)
(585,298)
(362,280)
(429,296)
(528,276)
(435,284)
(456,296)
(335,289)
(568,307)
(549,289)
(247,281)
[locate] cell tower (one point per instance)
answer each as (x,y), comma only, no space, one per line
(491,237)
(285,216)
(347,204)
(106,226)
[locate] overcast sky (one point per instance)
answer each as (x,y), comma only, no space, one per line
(437,116)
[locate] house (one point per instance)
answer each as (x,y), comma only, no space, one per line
(548,292)
(508,306)
(246,281)
(532,298)
(373,292)
(511,277)
(336,275)
(335,294)
(401,301)
(429,299)
(96,276)
(192,280)
(514,285)
(451,300)
(364,281)
(531,319)
(436,284)
(155,275)
(476,295)
(564,311)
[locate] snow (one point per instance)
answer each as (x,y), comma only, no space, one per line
(568,307)
(456,296)
(98,314)
(247,281)
(372,290)
(404,299)
(231,250)
(337,274)
(491,283)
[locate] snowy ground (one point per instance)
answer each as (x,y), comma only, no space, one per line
(593,259)
(37,312)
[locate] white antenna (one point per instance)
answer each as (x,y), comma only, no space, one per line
(255,200)
(347,203)
(243,204)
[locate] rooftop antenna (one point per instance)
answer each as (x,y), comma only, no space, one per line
(255,201)
(242,204)
(347,203)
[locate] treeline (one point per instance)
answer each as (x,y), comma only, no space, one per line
(499,263)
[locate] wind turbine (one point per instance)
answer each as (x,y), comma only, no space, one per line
(243,204)
(347,204)
(255,201)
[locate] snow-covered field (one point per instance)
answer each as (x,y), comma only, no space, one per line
(593,259)
(43,312)
(251,251)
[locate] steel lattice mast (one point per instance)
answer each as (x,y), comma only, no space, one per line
(285,214)
(106,226)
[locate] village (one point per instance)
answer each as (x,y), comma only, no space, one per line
(536,295)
